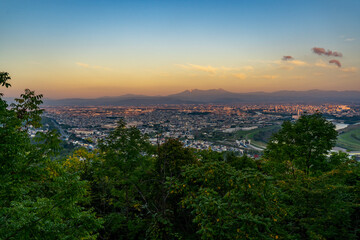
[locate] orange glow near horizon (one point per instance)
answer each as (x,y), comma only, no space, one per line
(87,81)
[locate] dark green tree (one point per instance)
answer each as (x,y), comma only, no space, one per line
(240,162)
(302,145)
(226,203)
(38,199)
(169,221)
(118,173)
(319,198)
(4,78)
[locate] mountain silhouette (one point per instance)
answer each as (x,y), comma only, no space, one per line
(218,96)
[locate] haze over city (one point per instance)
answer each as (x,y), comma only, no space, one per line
(91,49)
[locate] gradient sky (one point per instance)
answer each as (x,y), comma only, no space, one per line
(107,48)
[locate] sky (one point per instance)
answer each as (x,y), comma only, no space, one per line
(85,48)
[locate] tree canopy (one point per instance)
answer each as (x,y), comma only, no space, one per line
(302,145)
(38,198)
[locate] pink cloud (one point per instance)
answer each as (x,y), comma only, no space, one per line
(335,62)
(287,58)
(322,51)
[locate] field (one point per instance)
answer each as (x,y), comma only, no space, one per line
(259,137)
(350,138)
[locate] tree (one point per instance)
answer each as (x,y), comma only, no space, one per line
(318,191)
(169,221)
(172,156)
(322,206)
(38,199)
(226,203)
(117,173)
(27,108)
(302,145)
(4,78)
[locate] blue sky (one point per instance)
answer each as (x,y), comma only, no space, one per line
(96,48)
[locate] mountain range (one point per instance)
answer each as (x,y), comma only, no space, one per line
(217,96)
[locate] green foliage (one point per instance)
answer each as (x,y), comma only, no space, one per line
(27,108)
(229,204)
(320,200)
(322,206)
(302,145)
(172,156)
(4,78)
(117,173)
(169,221)
(38,199)
(240,163)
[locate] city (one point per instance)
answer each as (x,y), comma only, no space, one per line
(238,128)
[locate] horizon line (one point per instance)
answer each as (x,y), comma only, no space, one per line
(191,90)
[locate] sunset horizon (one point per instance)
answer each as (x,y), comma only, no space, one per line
(196,89)
(84,49)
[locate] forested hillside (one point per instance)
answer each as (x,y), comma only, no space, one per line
(130,189)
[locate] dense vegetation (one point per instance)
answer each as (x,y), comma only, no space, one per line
(129,189)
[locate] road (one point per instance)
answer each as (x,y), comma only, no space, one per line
(61,131)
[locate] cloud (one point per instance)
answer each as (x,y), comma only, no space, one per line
(322,51)
(215,70)
(292,62)
(349,39)
(335,62)
(240,76)
(323,64)
(208,69)
(298,63)
(287,58)
(289,64)
(349,69)
(85,65)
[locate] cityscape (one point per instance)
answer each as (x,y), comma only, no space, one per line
(238,128)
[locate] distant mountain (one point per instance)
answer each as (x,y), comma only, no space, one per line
(204,95)
(218,96)
(116,101)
